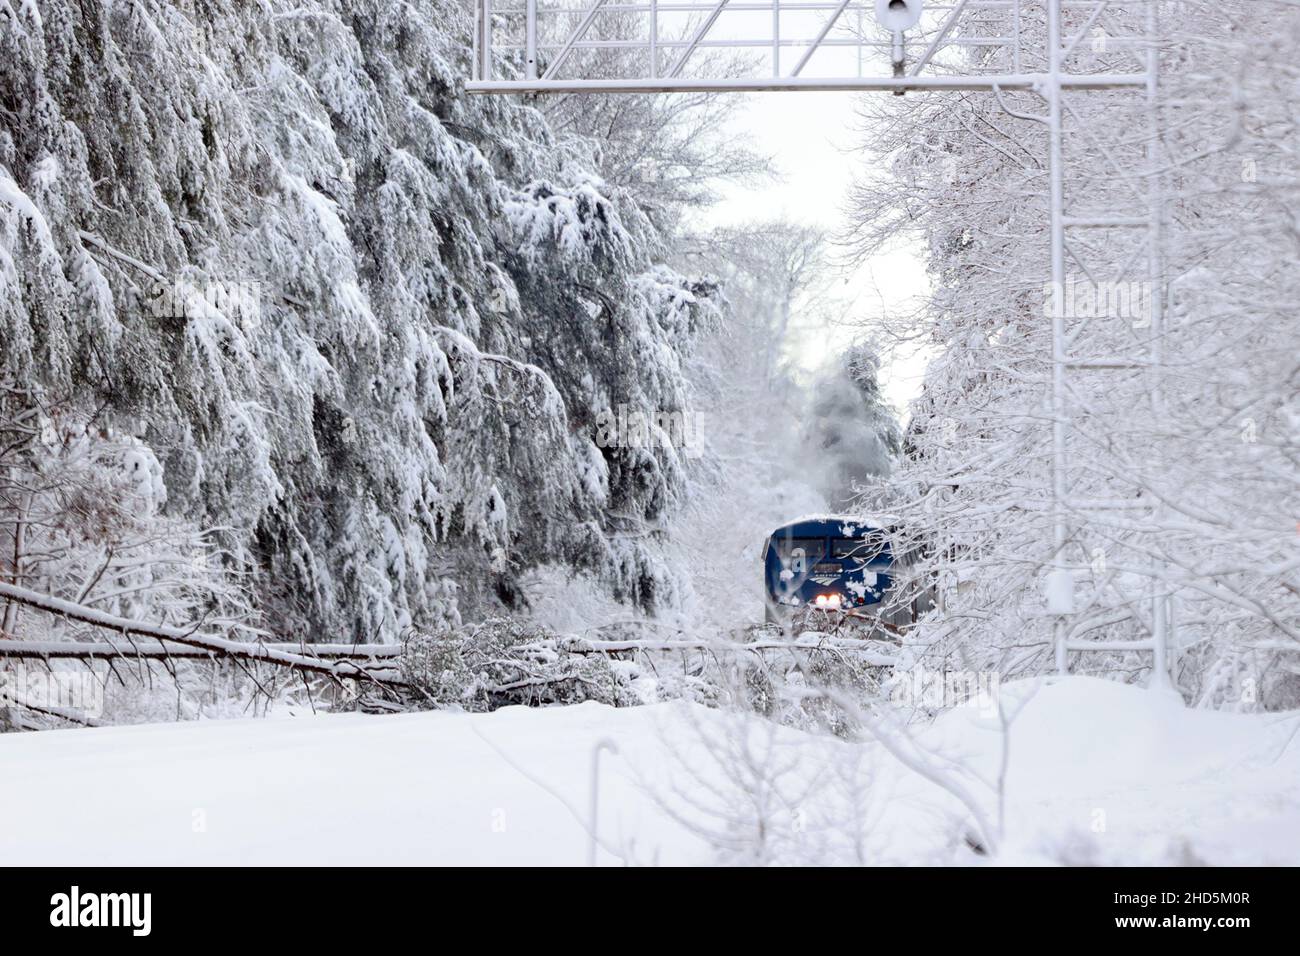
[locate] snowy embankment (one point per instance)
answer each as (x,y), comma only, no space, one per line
(1097,772)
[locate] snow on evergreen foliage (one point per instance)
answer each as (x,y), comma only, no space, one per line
(400,421)
(1193,497)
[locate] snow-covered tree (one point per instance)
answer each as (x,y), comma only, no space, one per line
(81,518)
(363,322)
(1183,494)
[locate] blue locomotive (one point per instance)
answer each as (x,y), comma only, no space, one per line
(833,563)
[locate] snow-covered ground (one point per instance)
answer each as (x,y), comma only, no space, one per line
(1097,772)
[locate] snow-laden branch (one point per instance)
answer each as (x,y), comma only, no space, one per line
(153,648)
(902,747)
(212,644)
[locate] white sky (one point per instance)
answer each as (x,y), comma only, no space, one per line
(812,135)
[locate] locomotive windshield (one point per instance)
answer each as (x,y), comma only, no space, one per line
(831,563)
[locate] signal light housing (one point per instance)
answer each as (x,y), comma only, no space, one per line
(898,15)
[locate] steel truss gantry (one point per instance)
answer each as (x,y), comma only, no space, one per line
(898,46)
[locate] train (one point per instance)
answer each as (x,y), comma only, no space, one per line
(840,565)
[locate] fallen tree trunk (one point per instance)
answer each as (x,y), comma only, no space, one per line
(151,648)
(210,644)
(49,710)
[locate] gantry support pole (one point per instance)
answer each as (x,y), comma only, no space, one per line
(1160,597)
(1060,574)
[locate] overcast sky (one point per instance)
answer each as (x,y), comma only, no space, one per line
(812,136)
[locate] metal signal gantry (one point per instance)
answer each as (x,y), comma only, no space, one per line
(899,46)
(539,46)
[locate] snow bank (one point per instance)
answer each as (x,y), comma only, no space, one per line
(1098,772)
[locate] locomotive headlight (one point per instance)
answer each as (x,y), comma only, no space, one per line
(830,601)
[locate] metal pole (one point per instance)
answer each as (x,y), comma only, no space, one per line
(593,835)
(726,84)
(1056,199)
(776,37)
(476,58)
(654,39)
(1155,294)
(486,67)
(530,39)
(826,29)
(861,35)
(705,27)
(1015,47)
(554,66)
